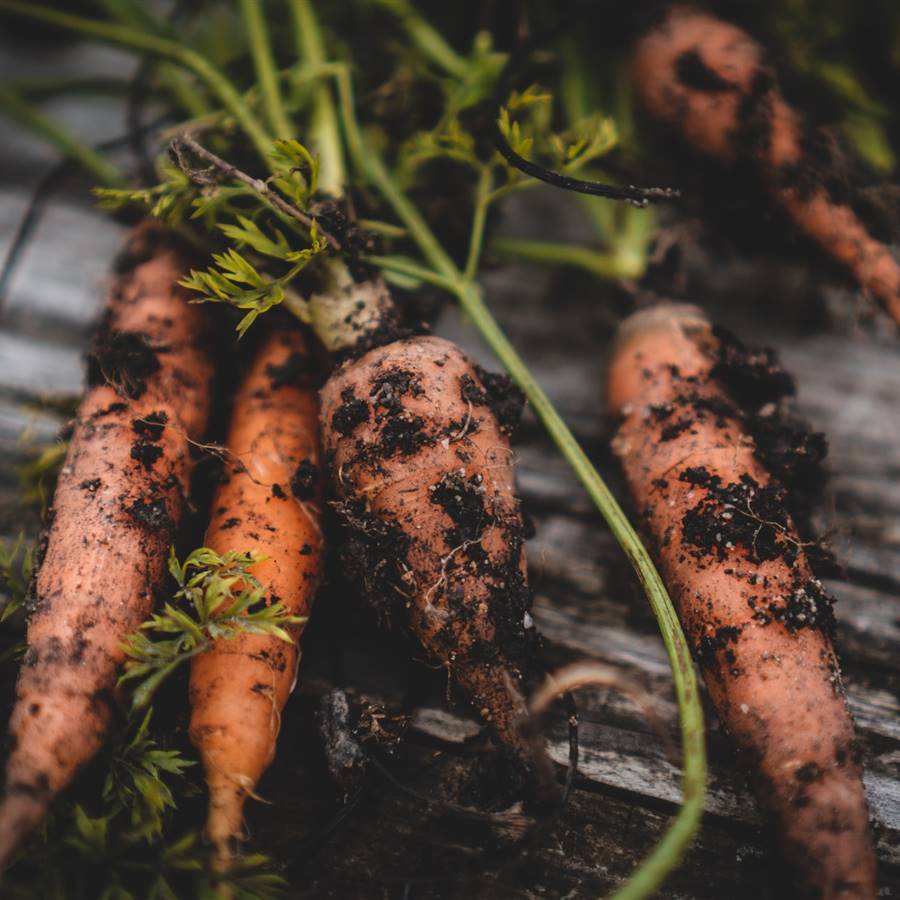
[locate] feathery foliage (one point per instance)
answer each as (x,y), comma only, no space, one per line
(217,598)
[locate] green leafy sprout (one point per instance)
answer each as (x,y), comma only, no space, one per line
(16,566)
(135,784)
(217,598)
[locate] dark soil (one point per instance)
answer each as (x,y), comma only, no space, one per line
(742,514)
(503,397)
(352,413)
(152,514)
(295,371)
(123,360)
(463,500)
(373,552)
(305,480)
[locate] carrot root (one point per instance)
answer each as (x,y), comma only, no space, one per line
(708,79)
(271,505)
(756,617)
(425,474)
(117,504)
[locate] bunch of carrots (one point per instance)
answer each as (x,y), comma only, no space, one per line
(348,403)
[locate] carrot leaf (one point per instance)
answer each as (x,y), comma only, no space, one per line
(16,566)
(217,598)
(234,280)
(134,781)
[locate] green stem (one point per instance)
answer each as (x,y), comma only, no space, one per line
(371,165)
(603,265)
(139,16)
(123,36)
(326,136)
(670,849)
(264,63)
(182,91)
(89,159)
(479,218)
(407,267)
(387,229)
(427,38)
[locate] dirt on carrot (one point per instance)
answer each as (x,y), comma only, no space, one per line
(118,501)
(709,80)
(758,619)
(424,474)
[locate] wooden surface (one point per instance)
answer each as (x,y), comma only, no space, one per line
(394,844)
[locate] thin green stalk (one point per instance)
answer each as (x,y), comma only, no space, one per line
(430,41)
(412,269)
(182,91)
(138,16)
(547,253)
(479,218)
(387,229)
(264,64)
(89,159)
(123,36)
(670,849)
(371,165)
(326,137)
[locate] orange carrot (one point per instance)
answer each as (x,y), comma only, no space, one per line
(757,619)
(708,79)
(118,502)
(271,505)
(426,477)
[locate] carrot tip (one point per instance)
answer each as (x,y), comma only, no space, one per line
(19,816)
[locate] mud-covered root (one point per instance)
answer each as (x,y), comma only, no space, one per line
(709,80)
(422,465)
(270,505)
(757,619)
(117,505)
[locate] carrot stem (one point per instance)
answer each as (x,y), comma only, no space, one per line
(479,218)
(136,15)
(603,265)
(264,64)
(325,132)
(430,41)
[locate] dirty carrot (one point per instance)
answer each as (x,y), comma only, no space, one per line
(270,504)
(709,80)
(423,467)
(118,502)
(757,619)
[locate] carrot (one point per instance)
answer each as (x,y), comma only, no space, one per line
(118,501)
(757,619)
(425,474)
(709,80)
(270,503)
